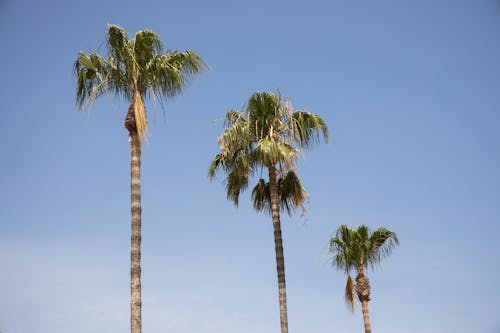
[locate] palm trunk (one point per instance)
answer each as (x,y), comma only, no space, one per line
(363,291)
(366,316)
(135,241)
(278,246)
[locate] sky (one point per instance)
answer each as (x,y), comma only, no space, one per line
(409,90)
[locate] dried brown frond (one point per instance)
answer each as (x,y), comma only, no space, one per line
(349,293)
(140,116)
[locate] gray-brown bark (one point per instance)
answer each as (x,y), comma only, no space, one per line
(135,241)
(363,292)
(278,245)
(362,285)
(366,317)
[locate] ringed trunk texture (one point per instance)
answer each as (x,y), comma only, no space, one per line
(366,317)
(135,241)
(363,291)
(278,246)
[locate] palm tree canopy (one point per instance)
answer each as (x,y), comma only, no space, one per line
(267,133)
(351,247)
(134,69)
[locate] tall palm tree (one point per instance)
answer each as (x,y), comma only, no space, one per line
(134,69)
(354,250)
(268,134)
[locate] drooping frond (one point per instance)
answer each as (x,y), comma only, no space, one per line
(189,62)
(261,197)
(171,72)
(288,154)
(342,250)
(238,169)
(236,136)
(96,76)
(236,182)
(307,128)
(383,237)
(381,243)
(291,192)
(216,165)
(349,293)
(140,116)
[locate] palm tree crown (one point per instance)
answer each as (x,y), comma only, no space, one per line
(133,69)
(268,133)
(353,250)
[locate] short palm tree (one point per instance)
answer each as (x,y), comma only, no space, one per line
(268,134)
(134,69)
(354,250)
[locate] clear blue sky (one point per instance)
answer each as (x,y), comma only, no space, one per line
(410,91)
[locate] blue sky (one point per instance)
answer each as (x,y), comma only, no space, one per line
(409,89)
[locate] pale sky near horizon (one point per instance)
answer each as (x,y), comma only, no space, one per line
(410,91)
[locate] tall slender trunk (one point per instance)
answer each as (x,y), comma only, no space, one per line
(363,291)
(278,246)
(366,317)
(135,240)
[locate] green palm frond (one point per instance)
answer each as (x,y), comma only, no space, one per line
(381,243)
(307,128)
(234,117)
(292,193)
(171,72)
(189,62)
(161,76)
(236,162)
(383,237)
(287,154)
(235,138)
(147,45)
(270,152)
(216,165)
(236,182)
(267,151)
(263,113)
(238,169)
(261,197)
(342,250)
(117,45)
(93,78)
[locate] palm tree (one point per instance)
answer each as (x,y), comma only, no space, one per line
(134,69)
(268,134)
(356,250)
